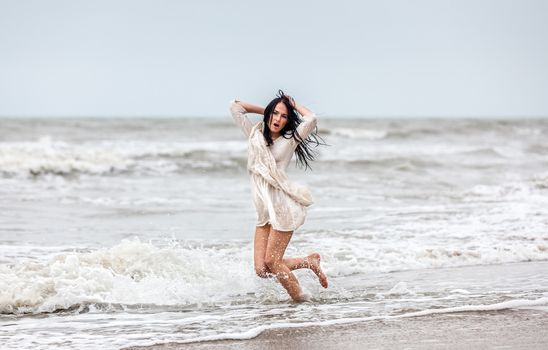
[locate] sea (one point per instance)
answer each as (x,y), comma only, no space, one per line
(129,231)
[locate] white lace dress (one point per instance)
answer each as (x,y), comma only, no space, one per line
(273,205)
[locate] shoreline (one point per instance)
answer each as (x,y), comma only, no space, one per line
(508,328)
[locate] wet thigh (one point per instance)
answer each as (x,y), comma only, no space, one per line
(259,246)
(277,244)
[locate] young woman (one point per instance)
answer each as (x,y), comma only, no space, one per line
(280,204)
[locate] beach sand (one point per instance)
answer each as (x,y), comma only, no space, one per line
(506,329)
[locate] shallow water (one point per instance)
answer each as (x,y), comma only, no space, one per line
(126,232)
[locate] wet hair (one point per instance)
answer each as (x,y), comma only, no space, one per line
(304,152)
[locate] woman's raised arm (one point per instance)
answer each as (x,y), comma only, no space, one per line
(238,109)
(310,121)
(251,108)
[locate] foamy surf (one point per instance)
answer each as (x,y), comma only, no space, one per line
(126,274)
(181,274)
(351,299)
(59,157)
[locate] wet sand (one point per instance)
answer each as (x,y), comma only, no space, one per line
(506,329)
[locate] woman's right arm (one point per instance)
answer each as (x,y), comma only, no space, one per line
(238,109)
(251,108)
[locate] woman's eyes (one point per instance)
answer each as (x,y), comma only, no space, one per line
(283,115)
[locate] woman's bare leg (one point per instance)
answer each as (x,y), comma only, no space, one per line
(275,249)
(259,251)
(311,262)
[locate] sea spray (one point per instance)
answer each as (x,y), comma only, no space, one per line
(132,272)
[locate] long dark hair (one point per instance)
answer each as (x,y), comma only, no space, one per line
(303,151)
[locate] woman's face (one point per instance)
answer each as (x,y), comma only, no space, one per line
(278,119)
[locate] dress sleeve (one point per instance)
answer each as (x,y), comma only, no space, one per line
(307,126)
(238,114)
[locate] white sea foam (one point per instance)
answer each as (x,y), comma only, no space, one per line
(413,245)
(49,156)
(57,157)
(132,272)
(459,291)
(135,272)
(400,288)
(368,134)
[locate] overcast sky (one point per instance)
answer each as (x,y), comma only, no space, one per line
(339,58)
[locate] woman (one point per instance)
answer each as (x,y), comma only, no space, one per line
(280,204)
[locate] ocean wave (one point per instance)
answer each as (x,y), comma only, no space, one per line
(388,163)
(458,129)
(385,131)
(357,133)
(455,153)
(48,156)
(502,152)
(129,273)
(398,130)
(427,245)
(139,273)
(529,190)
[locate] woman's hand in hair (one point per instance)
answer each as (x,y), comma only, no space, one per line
(291,101)
(301,109)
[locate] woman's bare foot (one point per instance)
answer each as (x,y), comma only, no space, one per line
(314,265)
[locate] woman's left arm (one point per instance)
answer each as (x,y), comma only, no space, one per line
(310,121)
(302,109)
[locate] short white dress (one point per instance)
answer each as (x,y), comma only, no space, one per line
(273,205)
